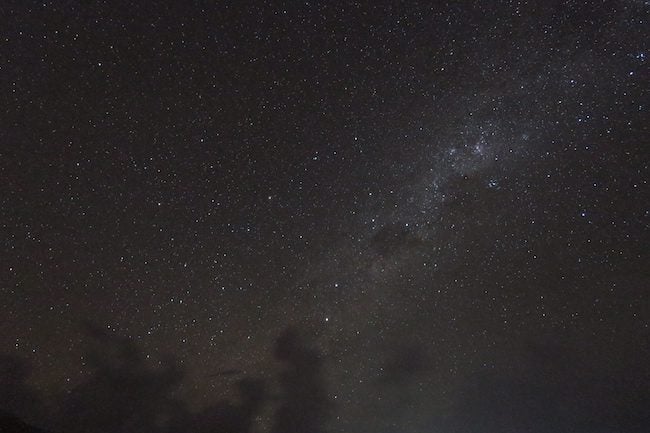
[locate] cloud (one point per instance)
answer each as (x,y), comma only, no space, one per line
(125,394)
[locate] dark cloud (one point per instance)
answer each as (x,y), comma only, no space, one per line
(17,396)
(555,388)
(305,405)
(123,393)
(408,361)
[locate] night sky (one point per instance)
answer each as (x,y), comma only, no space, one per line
(309,217)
